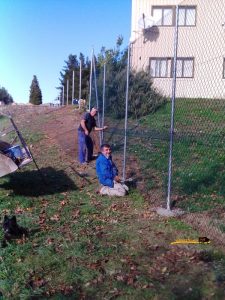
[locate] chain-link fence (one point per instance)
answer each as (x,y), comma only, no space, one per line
(183,47)
(180,145)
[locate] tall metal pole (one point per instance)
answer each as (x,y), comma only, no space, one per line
(80,81)
(126,110)
(172,110)
(67,92)
(103,100)
(63,100)
(72,89)
(90,81)
(96,96)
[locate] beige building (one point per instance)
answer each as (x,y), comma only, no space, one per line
(200,43)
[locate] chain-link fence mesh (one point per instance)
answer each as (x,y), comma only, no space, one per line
(181,44)
(194,51)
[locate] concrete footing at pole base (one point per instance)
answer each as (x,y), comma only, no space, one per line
(169,213)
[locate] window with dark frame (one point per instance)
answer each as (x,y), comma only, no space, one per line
(164,15)
(162,67)
(187,16)
(185,67)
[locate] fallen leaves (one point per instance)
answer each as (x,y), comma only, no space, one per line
(63,203)
(55,217)
(21,210)
(42,219)
(171,262)
(75,213)
(148,215)
(49,241)
(36,281)
(119,206)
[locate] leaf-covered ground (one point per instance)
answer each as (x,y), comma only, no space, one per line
(85,246)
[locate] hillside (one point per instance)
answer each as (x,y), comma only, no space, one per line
(85,246)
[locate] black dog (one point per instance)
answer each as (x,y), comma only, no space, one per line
(12,230)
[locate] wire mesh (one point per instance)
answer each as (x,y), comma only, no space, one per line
(186,62)
(198,171)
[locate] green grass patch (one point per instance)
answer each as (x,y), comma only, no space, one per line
(179,225)
(137,198)
(198,151)
(32,137)
(222,227)
(199,202)
(195,115)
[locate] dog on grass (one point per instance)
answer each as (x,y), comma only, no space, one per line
(12,230)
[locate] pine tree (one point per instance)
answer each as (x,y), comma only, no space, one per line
(5,97)
(35,92)
(73,65)
(143,97)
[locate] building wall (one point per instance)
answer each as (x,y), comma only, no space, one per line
(205,42)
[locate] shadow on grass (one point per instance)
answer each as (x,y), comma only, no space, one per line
(31,183)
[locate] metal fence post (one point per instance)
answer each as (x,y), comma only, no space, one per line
(96,96)
(63,98)
(172,111)
(103,100)
(67,93)
(72,88)
(80,80)
(90,83)
(126,109)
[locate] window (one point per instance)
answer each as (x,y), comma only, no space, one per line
(187,16)
(163,15)
(160,67)
(185,67)
(224,68)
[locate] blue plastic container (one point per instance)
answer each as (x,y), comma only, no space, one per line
(14,152)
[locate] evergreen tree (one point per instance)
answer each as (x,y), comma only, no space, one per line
(115,86)
(73,65)
(143,97)
(35,92)
(5,97)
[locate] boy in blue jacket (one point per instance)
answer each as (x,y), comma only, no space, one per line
(107,173)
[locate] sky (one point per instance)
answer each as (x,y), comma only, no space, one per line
(37,36)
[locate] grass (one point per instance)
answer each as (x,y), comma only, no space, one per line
(222,228)
(204,113)
(179,225)
(32,137)
(198,151)
(85,246)
(137,198)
